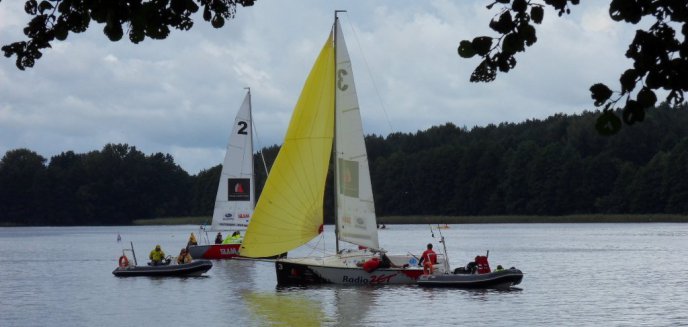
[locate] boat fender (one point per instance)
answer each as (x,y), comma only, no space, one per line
(123,261)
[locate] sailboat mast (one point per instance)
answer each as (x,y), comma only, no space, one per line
(252,187)
(334,138)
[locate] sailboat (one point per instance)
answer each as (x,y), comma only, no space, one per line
(326,122)
(234,201)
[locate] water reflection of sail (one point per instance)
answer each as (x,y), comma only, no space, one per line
(284,309)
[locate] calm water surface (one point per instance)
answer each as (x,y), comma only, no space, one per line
(576,274)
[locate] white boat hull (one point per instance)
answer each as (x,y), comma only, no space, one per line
(345,269)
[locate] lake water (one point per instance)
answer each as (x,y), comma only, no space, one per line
(575,274)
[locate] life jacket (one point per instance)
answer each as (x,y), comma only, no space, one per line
(429,256)
(156,255)
(372,264)
(483,265)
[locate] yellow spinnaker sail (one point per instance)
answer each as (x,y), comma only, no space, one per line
(289,212)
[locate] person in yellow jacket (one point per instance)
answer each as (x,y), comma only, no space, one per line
(192,240)
(233,239)
(156,256)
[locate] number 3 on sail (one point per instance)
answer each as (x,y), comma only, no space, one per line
(340,81)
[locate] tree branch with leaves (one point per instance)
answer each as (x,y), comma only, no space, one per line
(660,58)
(55,19)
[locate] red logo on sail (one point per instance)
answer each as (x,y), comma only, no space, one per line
(238,189)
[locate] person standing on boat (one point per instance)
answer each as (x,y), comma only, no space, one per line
(218,238)
(184,257)
(428,259)
(156,256)
(192,240)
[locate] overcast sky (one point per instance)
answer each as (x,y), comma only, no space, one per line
(180,95)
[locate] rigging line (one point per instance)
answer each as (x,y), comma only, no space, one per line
(315,246)
(365,61)
(262,154)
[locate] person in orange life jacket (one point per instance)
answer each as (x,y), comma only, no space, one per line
(184,257)
(427,260)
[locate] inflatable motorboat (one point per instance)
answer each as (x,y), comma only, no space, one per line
(476,274)
(501,279)
(194,268)
(165,269)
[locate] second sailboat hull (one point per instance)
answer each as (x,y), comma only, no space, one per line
(214,251)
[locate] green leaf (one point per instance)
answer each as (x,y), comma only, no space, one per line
(633,112)
(206,13)
(485,72)
(136,35)
(113,30)
(505,62)
(600,93)
(482,45)
(627,10)
(191,6)
(31,7)
(527,33)
(466,49)
(513,43)
(628,80)
(654,79)
(537,13)
(218,21)
(646,97)
(519,5)
(44,5)
(504,24)
(608,123)
(61,31)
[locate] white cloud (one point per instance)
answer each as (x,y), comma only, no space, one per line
(179,95)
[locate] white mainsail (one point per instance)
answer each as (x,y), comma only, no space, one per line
(234,202)
(356,221)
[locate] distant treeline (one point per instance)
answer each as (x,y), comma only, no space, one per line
(556,166)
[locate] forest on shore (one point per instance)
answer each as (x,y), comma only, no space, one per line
(558,166)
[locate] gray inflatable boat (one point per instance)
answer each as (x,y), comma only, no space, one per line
(194,268)
(501,279)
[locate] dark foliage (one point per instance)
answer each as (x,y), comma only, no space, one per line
(659,53)
(557,166)
(55,19)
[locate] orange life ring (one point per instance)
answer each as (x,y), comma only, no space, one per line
(123,261)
